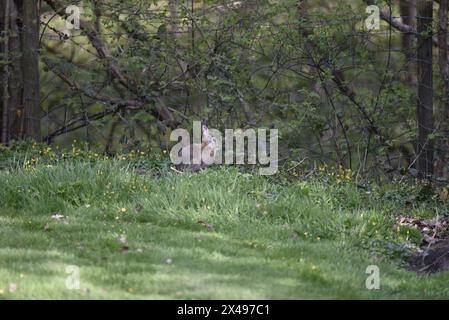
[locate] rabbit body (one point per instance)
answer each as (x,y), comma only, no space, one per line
(192,154)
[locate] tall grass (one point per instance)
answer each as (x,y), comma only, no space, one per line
(220,233)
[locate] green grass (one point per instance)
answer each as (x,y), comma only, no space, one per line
(228,235)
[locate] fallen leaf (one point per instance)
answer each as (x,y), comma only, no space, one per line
(429,239)
(57,216)
(13,287)
(122,239)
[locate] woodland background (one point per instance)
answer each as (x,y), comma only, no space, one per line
(86,183)
(373,101)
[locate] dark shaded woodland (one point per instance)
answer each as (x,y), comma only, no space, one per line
(126,73)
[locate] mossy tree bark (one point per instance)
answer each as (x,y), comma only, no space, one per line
(20,76)
(441,167)
(425,145)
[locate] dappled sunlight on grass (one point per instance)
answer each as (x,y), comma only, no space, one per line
(261,240)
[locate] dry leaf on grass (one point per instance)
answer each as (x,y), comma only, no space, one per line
(57,216)
(13,287)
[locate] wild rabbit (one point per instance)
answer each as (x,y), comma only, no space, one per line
(196,157)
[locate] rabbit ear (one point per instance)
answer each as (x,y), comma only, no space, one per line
(205,132)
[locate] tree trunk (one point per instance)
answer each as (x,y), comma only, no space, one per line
(4,13)
(443,144)
(30,62)
(173,7)
(20,83)
(425,147)
(408,14)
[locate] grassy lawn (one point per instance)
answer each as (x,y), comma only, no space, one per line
(218,234)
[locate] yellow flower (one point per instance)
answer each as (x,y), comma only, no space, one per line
(123,210)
